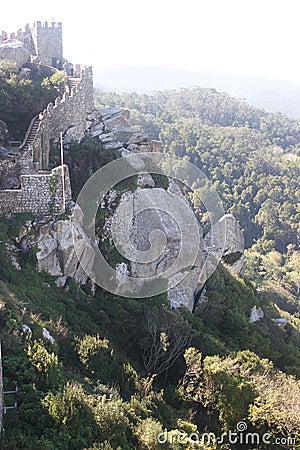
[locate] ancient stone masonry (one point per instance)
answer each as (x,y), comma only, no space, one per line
(39,194)
(19,55)
(27,185)
(42,41)
(48,43)
(68,115)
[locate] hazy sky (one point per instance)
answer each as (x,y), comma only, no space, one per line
(257,37)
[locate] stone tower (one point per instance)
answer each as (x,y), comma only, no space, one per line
(47,42)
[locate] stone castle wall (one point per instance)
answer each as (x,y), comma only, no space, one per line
(25,187)
(25,36)
(39,194)
(18,55)
(35,194)
(68,112)
(42,41)
(48,42)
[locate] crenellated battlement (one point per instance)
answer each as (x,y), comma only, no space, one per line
(43,41)
(41,190)
(21,34)
(69,111)
(39,24)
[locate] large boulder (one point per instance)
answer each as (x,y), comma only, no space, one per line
(158,232)
(225,239)
(56,252)
(112,127)
(256,314)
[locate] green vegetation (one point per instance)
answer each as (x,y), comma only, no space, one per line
(53,183)
(84,159)
(120,371)
(252,158)
(116,376)
(24,96)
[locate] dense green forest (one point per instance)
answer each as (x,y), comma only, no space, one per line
(252,158)
(122,371)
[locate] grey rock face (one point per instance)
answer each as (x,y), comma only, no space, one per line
(13,252)
(228,239)
(239,265)
(56,254)
(145,180)
(183,294)
(113,129)
(231,242)
(256,314)
(159,240)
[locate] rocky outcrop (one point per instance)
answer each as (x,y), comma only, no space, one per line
(228,242)
(112,127)
(48,336)
(154,228)
(184,293)
(13,251)
(145,180)
(56,253)
(256,314)
(158,241)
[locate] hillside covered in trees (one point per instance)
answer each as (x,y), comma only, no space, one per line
(119,372)
(252,158)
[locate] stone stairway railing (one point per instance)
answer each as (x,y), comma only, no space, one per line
(26,147)
(34,125)
(30,133)
(69,109)
(36,121)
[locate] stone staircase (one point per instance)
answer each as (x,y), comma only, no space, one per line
(27,162)
(31,134)
(73,82)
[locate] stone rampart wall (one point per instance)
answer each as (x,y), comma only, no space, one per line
(39,194)
(69,111)
(17,55)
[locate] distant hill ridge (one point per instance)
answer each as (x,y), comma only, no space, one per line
(270,94)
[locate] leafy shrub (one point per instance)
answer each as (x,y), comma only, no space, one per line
(97,357)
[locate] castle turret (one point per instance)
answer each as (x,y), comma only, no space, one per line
(47,41)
